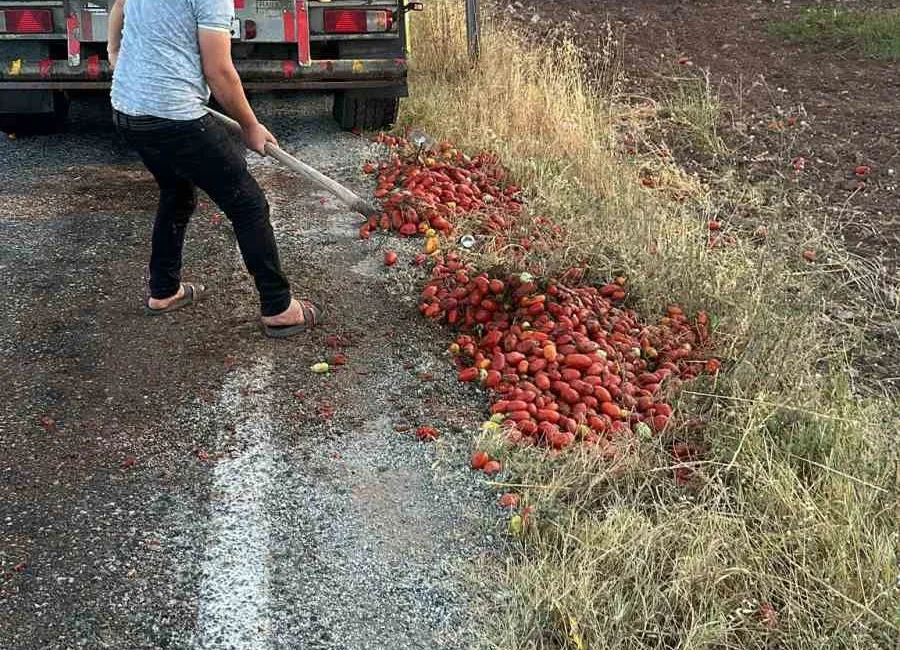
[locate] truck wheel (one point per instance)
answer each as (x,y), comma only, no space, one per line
(61,103)
(365,113)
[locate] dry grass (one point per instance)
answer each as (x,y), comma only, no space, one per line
(693,105)
(787,537)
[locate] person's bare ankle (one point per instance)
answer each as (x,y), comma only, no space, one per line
(162,303)
(293,315)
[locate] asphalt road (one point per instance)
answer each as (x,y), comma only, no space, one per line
(182,482)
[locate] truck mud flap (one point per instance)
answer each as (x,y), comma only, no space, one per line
(31,102)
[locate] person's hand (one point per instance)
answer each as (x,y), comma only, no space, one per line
(256,138)
(113,59)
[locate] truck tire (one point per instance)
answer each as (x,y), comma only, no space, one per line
(365,113)
(61,104)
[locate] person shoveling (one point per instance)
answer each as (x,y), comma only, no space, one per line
(161,84)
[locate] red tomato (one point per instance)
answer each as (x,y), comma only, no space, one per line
(610,409)
(468,374)
(491,467)
(479,460)
(426,433)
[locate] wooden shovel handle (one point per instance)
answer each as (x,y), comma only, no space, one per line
(347,197)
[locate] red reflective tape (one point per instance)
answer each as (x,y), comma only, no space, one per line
(87,27)
(238,4)
(71,30)
(290,26)
(93,66)
(288,68)
(45,66)
(302,32)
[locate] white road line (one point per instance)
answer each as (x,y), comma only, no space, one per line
(233,608)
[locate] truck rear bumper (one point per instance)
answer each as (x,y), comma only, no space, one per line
(334,74)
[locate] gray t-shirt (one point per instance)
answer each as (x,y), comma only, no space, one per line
(159,71)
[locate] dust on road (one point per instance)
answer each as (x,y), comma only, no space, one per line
(186,483)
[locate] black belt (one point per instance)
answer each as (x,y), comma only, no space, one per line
(140,122)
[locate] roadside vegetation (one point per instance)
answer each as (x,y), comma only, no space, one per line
(874,34)
(786,534)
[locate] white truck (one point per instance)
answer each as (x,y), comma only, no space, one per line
(53,50)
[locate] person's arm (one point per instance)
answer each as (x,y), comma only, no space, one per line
(116,22)
(225,85)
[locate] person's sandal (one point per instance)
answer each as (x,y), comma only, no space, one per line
(192,293)
(311,318)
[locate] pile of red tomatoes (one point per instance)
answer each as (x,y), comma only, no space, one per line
(564,363)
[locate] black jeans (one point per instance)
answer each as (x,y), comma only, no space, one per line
(185,155)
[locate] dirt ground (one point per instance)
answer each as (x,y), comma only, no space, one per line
(846,105)
(845,109)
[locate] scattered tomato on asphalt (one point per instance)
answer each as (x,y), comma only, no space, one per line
(336,341)
(425,433)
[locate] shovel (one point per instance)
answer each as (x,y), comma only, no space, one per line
(348,198)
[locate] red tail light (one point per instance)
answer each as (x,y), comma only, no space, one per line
(345,22)
(26,21)
(350,21)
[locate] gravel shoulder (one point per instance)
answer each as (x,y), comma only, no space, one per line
(186,483)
